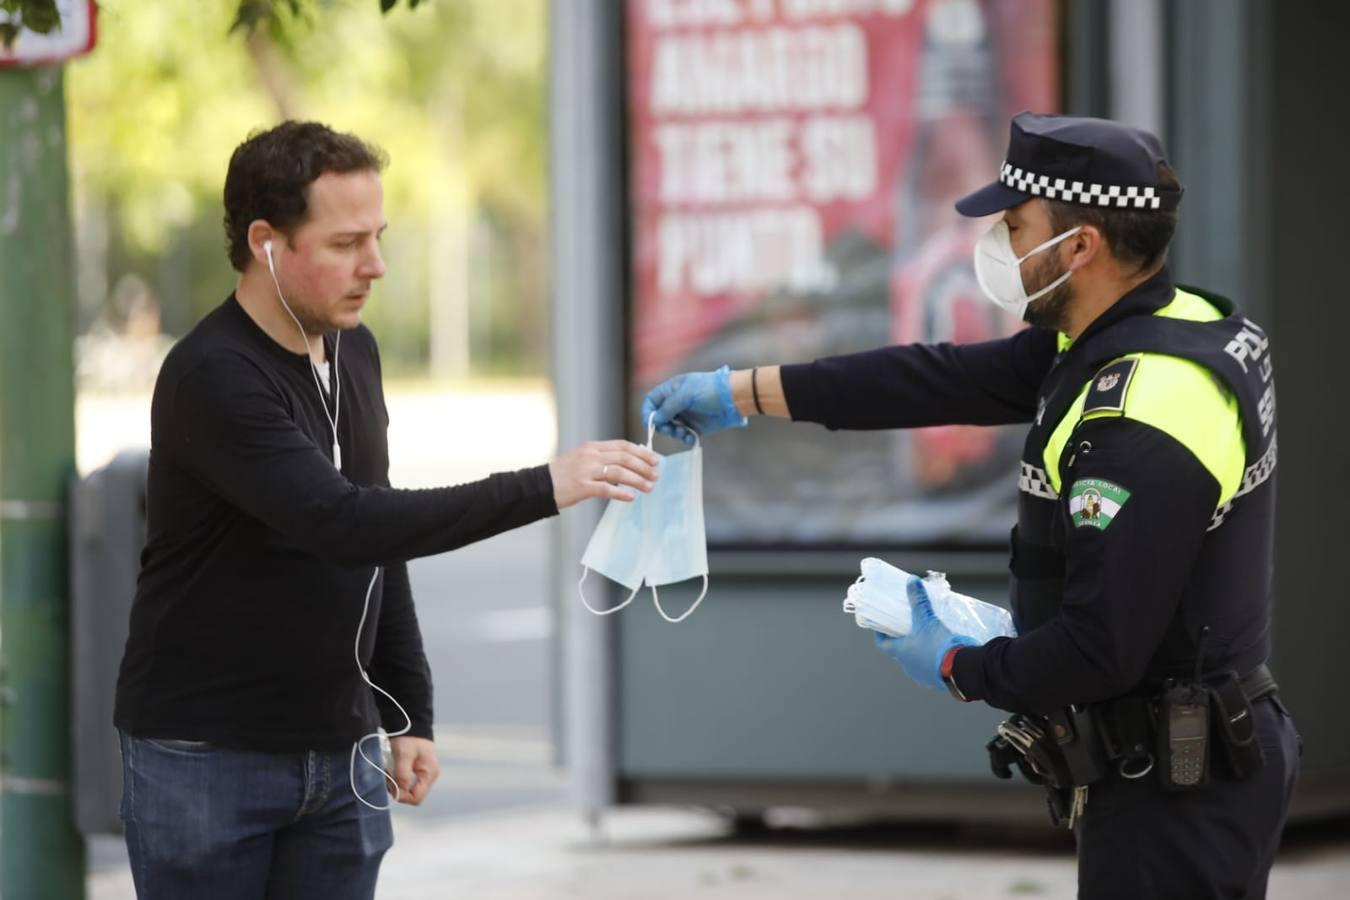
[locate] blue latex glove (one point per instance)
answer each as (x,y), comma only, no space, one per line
(920,652)
(699,400)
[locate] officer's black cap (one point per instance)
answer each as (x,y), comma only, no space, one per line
(1095,162)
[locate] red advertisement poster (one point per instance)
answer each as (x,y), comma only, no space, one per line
(793,169)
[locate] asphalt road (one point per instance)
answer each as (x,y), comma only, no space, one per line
(487,628)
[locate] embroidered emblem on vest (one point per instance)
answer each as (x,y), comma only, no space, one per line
(1095,502)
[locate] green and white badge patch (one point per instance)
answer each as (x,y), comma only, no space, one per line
(1094,502)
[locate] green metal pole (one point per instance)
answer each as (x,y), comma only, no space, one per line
(41,853)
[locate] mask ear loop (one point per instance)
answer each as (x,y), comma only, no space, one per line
(1044,245)
(688,612)
(651,433)
(851,596)
(602,612)
(1032,298)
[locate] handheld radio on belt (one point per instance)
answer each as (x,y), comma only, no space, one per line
(1183,728)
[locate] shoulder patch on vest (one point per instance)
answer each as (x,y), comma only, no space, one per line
(1094,502)
(1109,386)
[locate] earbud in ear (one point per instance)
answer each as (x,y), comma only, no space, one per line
(267,248)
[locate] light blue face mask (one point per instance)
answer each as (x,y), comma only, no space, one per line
(658,538)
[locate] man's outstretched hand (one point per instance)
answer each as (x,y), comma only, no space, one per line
(602,469)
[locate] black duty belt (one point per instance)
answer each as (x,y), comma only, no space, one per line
(1258,683)
(1073,748)
(1127,724)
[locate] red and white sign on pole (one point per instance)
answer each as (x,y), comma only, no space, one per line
(75,37)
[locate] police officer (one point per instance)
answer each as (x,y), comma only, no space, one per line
(1143,552)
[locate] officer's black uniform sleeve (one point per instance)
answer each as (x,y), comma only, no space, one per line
(234,432)
(1123,583)
(399,663)
(914,385)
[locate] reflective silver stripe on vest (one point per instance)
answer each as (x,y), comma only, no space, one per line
(1035,482)
(1257,474)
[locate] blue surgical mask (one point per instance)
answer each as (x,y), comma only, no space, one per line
(656,539)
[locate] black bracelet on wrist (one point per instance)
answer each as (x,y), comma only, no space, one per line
(754,389)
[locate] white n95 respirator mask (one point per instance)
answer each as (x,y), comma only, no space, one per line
(999,270)
(657,538)
(878,599)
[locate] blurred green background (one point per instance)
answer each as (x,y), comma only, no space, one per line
(454,90)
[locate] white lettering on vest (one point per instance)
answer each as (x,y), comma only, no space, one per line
(1266,409)
(1251,344)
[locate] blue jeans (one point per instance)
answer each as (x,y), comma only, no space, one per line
(208,823)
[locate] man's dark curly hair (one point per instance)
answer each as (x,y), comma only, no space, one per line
(270,174)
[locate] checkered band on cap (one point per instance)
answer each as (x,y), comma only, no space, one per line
(1079,191)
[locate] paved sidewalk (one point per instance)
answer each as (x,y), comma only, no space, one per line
(664,854)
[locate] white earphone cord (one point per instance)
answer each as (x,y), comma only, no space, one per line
(370,589)
(359,747)
(313,369)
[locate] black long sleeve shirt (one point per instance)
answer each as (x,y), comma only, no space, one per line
(1118,621)
(259,552)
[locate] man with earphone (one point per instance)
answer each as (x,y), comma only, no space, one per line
(273,631)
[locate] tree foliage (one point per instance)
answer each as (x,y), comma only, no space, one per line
(42,16)
(455,94)
(255,13)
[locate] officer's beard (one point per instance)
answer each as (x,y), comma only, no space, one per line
(1050,311)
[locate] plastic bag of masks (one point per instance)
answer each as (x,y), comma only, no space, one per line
(879,601)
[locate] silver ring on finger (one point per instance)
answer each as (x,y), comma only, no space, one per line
(604,475)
